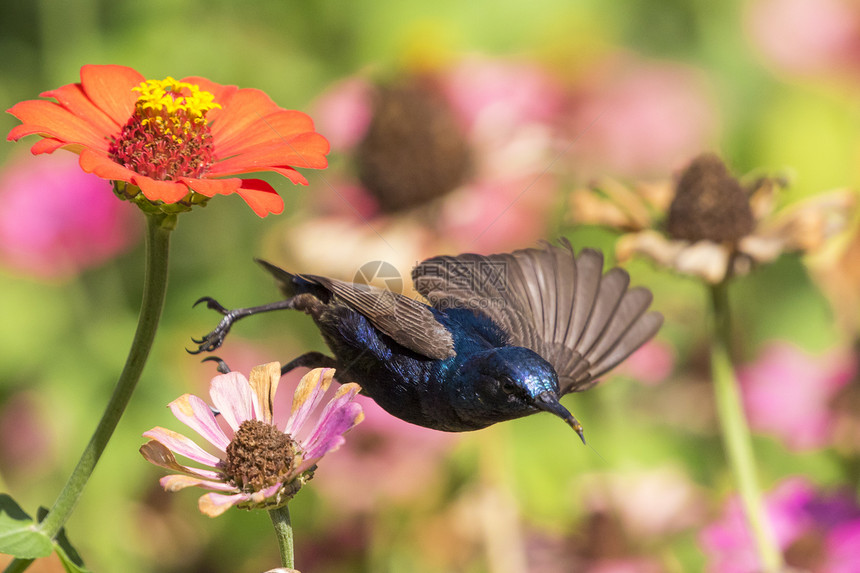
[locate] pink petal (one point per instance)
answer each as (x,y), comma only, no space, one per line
(214,504)
(309,392)
(157,453)
(339,415)
(177,482)
(182,445)
(264,382)
(233,397)
(195,413)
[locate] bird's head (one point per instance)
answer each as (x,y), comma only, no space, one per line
(511,382)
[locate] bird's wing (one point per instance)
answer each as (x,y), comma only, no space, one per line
(409,322)
(562,306)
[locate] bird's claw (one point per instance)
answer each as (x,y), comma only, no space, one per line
(222,366)
(211,304)
(214,339)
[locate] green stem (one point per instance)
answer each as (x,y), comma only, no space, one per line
(158,231)
(284,532)
(736,434)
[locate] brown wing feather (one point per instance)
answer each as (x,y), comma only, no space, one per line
(409,322)
(556,303)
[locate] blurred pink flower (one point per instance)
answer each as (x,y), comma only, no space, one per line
(262,459)
(57,220)
(493,122)
(807,36)
(789,393)
(393,460)
(816,531)
(26,445)
(639,119)
(651,364)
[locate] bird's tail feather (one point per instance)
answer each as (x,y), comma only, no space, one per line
(292,285)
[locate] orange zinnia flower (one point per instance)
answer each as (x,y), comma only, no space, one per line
(173,142)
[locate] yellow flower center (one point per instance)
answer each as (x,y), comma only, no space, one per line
(167,137)
(176,107)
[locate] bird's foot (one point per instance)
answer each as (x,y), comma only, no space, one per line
(214,339)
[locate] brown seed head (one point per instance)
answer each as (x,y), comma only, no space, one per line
(709,204)
(259,455)
(414,150)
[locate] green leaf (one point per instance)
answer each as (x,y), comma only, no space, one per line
(18,534)
(68,555)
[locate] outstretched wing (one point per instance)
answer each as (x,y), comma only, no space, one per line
(562,306)
(407,321)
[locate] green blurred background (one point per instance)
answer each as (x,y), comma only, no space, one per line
(522,494)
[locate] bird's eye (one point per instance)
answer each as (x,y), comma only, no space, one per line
(508,386)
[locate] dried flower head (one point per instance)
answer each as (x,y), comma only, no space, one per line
(263,462)
(710,224)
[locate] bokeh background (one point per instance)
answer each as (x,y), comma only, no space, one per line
(537,99)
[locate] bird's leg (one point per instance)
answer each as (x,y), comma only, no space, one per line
(310,360)
(215,338)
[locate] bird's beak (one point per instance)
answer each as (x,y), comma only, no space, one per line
(548,402)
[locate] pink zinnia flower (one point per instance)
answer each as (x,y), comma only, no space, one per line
(396,462)
(786,385)
(261,461)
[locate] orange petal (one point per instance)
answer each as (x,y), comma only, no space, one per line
(261,197)
(307,150)
(47,118)
(291,174)
(244,108)
(167,191)
(109,88)
(223,94)
(73,98)
(50,145)
(212,187)
(104,167)
(273,129)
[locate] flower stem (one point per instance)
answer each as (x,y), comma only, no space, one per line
(736,435)
(284,532)
(158,231)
